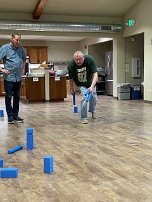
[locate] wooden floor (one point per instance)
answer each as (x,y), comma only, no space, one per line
(108,160)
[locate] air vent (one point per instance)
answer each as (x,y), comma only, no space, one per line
(105,27)
(59,27)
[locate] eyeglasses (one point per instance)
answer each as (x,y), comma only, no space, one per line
(79,58)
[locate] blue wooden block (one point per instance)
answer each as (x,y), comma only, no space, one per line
(14,149)
(1,162)
(8,172)
(75,109)
(1,113)
(29,130)
(29,138)
(48,164)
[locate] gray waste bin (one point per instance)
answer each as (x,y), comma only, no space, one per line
(123,91)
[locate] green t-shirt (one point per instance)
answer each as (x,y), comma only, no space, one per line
(82,75)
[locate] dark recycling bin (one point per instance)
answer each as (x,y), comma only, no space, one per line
(135,92)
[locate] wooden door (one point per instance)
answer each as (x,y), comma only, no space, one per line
(32,52)
(42,54)
(37,54)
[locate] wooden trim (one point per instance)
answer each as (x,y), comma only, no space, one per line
(39,9)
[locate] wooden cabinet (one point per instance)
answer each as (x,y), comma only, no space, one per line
(32,52)
(2,90)
(42,54)
(33,89)
(23,88)
(37,54)
(58,88)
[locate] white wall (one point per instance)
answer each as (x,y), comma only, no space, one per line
(118,63)
(134,48)
(61,51)
(57,51)
(98,52)
(143,15)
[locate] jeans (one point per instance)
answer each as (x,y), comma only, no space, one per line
(12,89)
(84,103)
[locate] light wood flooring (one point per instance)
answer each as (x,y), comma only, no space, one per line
(107,160)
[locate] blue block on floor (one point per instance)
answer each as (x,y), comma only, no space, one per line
(1,162)
(48,164)
(75,109)
(29,130)
(14,149)
(29,139)
(1,113)
(8,172)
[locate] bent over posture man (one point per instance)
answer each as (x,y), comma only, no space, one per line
(83,72)
(14,59)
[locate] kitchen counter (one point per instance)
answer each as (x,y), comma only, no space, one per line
(34,75)
(2,90)
(34,88)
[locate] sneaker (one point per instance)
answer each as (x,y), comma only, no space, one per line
(93,115)
(11,120)
(17,119)
(84,121)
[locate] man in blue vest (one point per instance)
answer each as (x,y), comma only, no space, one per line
(14,59)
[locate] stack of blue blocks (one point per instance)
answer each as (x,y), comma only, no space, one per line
(7,172)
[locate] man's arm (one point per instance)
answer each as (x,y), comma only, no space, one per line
(72,88)
(23,67)
(71,81)
(94,81)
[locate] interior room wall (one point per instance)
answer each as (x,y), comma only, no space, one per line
(62,51)
(118,63)
(143,19)
(143,25)
(27,42)
(134,48)
(98,52)
(85,43)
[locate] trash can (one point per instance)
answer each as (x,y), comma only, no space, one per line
(123,90)
(135,92)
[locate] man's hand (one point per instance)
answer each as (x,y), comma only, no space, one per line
(91,89)
(5,71)
(95,79)
(72,91)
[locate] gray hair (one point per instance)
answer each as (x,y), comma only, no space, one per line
(78,53)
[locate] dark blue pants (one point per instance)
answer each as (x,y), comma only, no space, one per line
(12,89)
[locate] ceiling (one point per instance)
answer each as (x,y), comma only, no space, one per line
(59,11)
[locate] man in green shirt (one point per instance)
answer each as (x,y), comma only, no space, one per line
(83,73)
